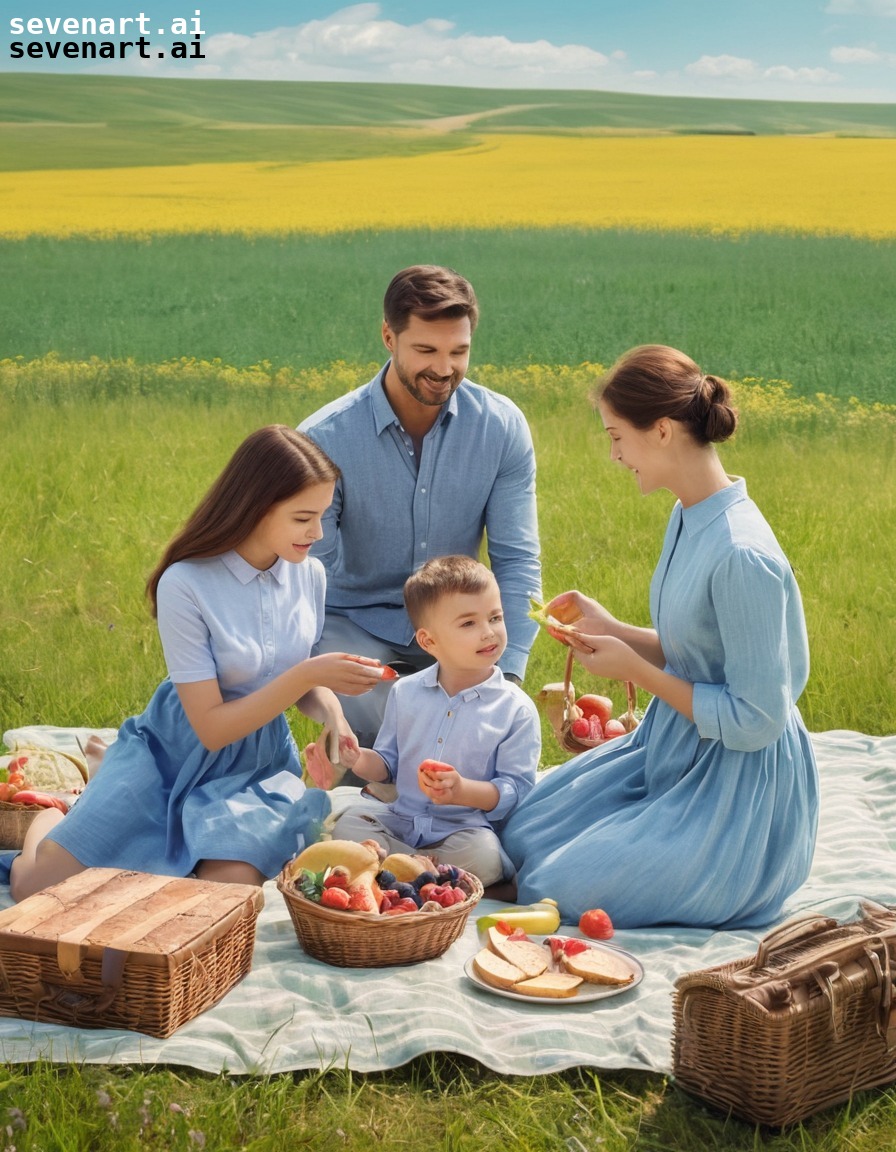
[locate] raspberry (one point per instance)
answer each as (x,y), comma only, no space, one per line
(335,898)
(580,728)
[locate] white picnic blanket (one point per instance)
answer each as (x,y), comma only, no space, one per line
(292,1012)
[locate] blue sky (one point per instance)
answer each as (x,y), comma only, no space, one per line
(843,50)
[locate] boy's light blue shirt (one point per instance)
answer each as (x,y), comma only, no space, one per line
(489,732)
(476,475)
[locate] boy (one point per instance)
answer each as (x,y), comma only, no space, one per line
(461,712)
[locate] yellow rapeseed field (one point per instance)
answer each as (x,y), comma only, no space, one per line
(723,185)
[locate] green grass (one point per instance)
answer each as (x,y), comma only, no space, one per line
(102,462)
(59,121)
(814,311)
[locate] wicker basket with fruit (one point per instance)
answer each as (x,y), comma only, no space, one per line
(354,909)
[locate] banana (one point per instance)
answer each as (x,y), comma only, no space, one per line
(357,858)
(405,867)
(539,919)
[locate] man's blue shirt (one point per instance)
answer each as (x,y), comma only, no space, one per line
(391,513)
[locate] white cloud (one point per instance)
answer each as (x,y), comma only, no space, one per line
(714,67)
(801,75)
(870,55)
(356,44)
(738,68)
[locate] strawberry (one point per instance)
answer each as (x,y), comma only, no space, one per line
(504,928)
(574,947)
(360,899)
(556,946)
(517,934)
(335,898)
(387,673)
(580,728)
(337,878)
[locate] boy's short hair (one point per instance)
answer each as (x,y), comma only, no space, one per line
(443,576)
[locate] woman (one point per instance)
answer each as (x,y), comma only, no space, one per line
(207,780)
(706,814)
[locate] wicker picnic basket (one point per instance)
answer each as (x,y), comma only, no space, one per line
(114,949)
(15,820)
(561,719)
(801,1026)
(369,940)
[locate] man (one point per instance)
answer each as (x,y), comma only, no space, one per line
(431,463)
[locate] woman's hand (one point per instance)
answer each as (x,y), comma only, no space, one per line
(584,613)
(604,656)
(343,673)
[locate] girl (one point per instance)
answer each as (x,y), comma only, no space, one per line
(208,780)
(706,814)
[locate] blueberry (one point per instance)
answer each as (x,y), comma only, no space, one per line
(385,880)
(425,878)
(404,889)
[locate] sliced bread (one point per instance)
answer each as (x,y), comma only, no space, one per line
(495,971)
(531,958)
(599,966)
(549,985)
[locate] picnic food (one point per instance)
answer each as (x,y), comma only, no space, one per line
(596,924)
(517,949)
(540,919)
(592,705)
(46,769)
(541,616)
(597,967)
(555,969)
(348,876)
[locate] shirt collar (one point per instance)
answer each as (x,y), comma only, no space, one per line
(383,412)
(245,572)
(699,515)
(430,678)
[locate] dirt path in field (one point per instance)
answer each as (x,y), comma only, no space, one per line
(445,124)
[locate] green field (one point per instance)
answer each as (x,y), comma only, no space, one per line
(814,311)
(110,444)
(53,121)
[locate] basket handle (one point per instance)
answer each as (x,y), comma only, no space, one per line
(801,927)
(631,694)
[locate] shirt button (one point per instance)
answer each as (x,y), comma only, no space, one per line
(422,543)
(449,712)
(440,740)
(422,491)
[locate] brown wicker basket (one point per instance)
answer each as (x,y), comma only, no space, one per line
(804,1024)
(111,949)
(563,725)
(15,820)
(369,940)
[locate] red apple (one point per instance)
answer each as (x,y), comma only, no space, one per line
(599,706)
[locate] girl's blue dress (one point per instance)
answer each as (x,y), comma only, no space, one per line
(708,823)
(161,801)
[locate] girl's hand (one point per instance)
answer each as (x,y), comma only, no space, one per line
(604,656)
(319,768)
(343,673)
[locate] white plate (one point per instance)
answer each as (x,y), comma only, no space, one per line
(585,993)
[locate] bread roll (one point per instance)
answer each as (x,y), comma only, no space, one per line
(495,971)
(598,966)
(531,958)
(549,986)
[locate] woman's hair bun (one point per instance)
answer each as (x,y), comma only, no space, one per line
(719,413)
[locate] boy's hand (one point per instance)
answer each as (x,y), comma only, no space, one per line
(439,782)
(349,750)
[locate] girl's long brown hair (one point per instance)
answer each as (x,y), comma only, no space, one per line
(271,465)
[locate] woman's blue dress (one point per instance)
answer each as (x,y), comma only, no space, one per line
(161,801)
(708,823)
